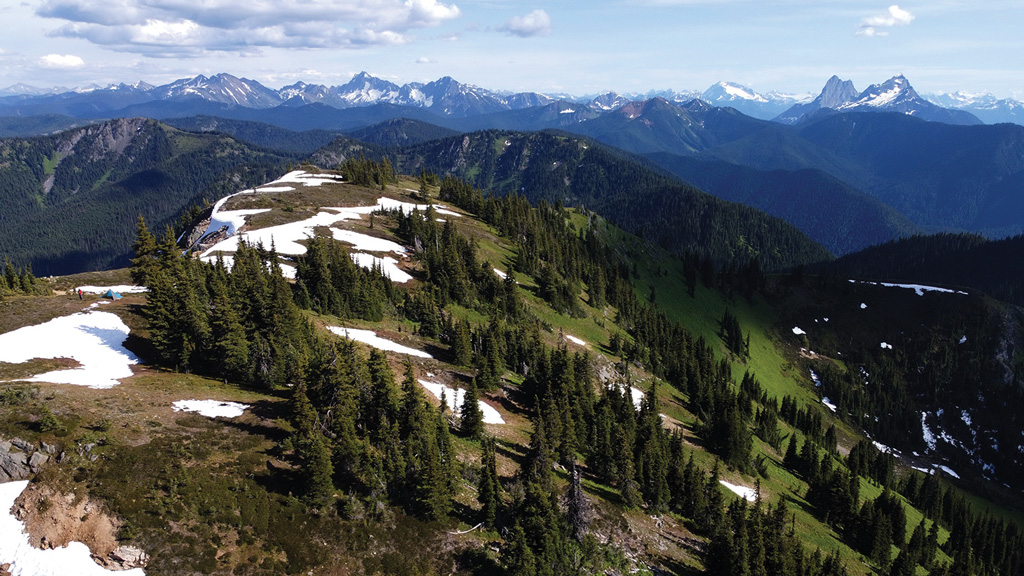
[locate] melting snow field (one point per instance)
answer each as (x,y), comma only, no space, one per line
(94,339)
(211,408)
(121,289)
(748,494)
(935,467)
(365,242)
(388,266)
(920,289)
(287,238)
(926,433)
(26,560)
(370,337)
(456,398)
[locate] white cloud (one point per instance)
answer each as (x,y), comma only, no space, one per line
(895,16)
(425,60)
(61,61)
(188,28)
(536,23)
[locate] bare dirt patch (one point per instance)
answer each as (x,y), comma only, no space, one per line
(54,520)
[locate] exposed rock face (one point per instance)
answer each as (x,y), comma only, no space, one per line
(836,93)
(125,558)
(20,459)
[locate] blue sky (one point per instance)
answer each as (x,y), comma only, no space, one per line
(566,46)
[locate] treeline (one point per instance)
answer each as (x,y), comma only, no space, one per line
(19,280)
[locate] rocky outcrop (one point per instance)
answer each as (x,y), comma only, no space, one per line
(20,459)
(125,558)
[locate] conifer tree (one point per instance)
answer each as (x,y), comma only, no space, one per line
(578,506)
(488,488)
(462,351)
(471,423)
(517,556)
(230,348)
(315,458)
(145,249)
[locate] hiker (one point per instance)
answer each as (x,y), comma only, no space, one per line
(79,293)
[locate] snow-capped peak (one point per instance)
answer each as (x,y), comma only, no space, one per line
(729,91)
(893,91)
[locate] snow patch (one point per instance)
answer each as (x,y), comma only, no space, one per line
(388,266)
(926,432)
(500,274)
(575,340)
(863,306)
(798,331)
(882,447)
(211,408)
(748,494)
(828,404)
(456,398)
(94,339)
(886,346)
(365,242)
(919,289)
(815,379)
(27,560)
(370,338)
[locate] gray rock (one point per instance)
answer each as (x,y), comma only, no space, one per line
(5,446)
(48,448)
(128,557)
(23,445)
(37,460)
(14,466)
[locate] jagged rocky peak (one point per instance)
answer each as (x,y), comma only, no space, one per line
(837,92)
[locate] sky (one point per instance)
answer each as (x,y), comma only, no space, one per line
(554,46)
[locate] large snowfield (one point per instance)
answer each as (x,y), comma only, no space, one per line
(26,560)
(95,339)
(287,238)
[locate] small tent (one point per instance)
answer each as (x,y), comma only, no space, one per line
(112,295)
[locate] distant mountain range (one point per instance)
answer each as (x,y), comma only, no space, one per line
(448,98)
(893,95)
(849,168)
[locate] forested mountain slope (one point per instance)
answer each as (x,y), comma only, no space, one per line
(70,200)
(638,394)
(938,175)
(962,260)
(829,211)
(578,172)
